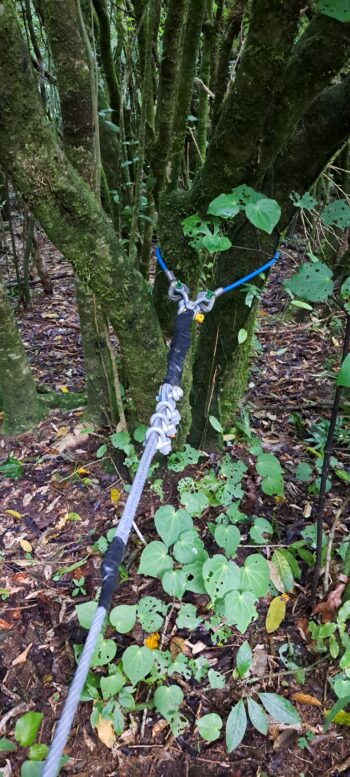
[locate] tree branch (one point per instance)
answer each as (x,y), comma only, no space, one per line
(169,67)
(107,57)
(233,153)
(315,60)
(324,129)
(232,31)
(195,17)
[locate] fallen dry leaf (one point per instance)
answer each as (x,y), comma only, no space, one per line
(13,514)
(26,546)
(105,732)
(284,739)
(178,645)
(21,659)
(159,727)
(333,601)
(306,698)
(259,664)
(303,628)
(5,625)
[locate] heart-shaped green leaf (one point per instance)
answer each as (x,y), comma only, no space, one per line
(171,523)
(167,699)
(137,662)
(220,576)
(240,609)
(154,560)
(209,726)
(228,538)
(264,214)
(255,575)
(26,728)
(123,617)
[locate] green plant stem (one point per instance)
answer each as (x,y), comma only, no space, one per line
(319,510)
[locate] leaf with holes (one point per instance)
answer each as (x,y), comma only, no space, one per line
(236,726)
(170,523)
(228,538)
(306,201)
(263,214)
(338,213)
(194,574)
(195,503)
(137,662)
(260,528)
(174,582)
(257,716)
(244,194)
(154,560)
(216,679)
(220,576)
(123,617)
(313,282)
(226,206)
(180,459)
(280,709)
(187,617)
(105,651)
(343,378)
(239,609)
(217,242)
(255,575)
(151,613)
(209,726)
(337,9)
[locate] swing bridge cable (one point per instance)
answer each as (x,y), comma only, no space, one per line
(159,436)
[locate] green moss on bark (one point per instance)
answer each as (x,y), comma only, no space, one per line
(72,218)
(19,398)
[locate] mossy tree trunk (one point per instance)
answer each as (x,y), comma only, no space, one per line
(70,48)
(72,218)
(19,399)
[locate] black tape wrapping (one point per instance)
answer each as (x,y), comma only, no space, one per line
(179,346)
(110,571)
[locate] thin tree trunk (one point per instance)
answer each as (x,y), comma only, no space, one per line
(39,263)
(194,21)
(17,388)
